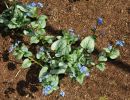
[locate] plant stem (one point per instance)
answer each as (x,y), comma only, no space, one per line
(35,61)
(6,5)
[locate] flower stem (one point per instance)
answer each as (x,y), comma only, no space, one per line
(35,61)
(6,4)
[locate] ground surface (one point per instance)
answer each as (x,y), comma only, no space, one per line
(80,15)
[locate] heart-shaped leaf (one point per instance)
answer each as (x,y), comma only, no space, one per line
(26,63)
(43,71)
(102,58)
(88,43)
(114,54)
(34,39)
(101,66)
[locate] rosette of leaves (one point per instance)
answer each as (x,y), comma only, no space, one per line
(59,54)
(22,51)
(19,16)
(110,52)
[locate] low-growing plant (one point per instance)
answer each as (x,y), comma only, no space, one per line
(56,55)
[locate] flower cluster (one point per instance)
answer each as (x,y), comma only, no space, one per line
(13,46)
(33,4)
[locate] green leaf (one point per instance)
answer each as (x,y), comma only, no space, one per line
(40,55)
(115,53)
(18,54)
(26,63)
(40,32)
(55,45)
(42,21)
(101,66)
(102,58)
(33,12)
(22,8)
(49,39)
(80,78)
(66,50)
(28,54)
(107,50)
(34,24)
(58,71)
(43,71)
(24,48)
(11,26)
(88,43)
(34,39)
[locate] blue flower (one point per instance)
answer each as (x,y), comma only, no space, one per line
(42,49)
(120,43)
(83,69)
(33,4)
(87,74)
(46,89)
(62,93)
(11,48)
(100,21)
(39,4)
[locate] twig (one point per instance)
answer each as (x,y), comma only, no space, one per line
(17,73)
(6,5)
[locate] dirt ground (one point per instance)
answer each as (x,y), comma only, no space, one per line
(80,15)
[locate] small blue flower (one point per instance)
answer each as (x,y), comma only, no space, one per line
(33,4)
(46,89)
(39,4)
(120,43)
(42,49)
(11,48)
(62,93)
(100,21)
(87,74)
(83,69)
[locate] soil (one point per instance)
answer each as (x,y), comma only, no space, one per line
(112,84)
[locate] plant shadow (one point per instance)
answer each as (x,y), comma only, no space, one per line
(11,66)
(29,86)
(117,63)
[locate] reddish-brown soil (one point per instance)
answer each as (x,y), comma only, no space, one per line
(80,15)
